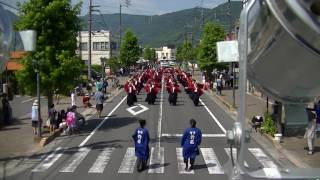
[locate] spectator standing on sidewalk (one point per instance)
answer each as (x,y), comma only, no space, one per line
(52,118)
(99,97)
(219,85)
(317,110)
(35,117)
(310,134)
(73,98)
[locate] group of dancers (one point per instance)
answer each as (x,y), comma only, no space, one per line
(151,81)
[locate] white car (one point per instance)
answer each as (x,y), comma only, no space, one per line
(164,63)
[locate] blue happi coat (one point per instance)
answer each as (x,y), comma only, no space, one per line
(190,141)
(141,143)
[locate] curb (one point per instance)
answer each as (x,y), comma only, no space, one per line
(88,113)
(227,104)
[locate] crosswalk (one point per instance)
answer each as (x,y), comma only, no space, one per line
(72,158)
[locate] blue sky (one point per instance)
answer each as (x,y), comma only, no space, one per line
(145,7)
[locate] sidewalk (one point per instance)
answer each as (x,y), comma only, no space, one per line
(294,148)
(18,139)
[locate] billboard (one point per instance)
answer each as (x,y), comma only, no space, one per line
(227,51)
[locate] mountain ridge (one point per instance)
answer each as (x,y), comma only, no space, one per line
(169,28)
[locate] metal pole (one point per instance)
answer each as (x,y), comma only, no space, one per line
(267,104)
(90,29)
(120,28)
(39,104)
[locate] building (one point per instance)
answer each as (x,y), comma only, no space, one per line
(103,45)
(166,53)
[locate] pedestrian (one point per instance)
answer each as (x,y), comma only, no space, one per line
(35,117)
(71,120)
(190,141)
(73,98)
(52,118)
(6,109)
(310,133)
(141,142)
(317,110)
(219,86)
(60,118)
(99,97)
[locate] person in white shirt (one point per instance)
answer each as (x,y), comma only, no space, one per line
(34,116)
(73,99)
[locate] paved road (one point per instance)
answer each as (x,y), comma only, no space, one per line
(104,149)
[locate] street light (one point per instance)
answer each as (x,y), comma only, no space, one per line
(29,39)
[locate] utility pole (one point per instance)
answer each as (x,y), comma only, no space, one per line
(90,29)
(232,64)
(120,27)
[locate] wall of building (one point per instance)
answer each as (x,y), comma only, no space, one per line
(103,45)
(165,53)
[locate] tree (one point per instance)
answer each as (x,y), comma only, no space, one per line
(56,23)
(129,50)
(114,64)
(149,54)
(207,55)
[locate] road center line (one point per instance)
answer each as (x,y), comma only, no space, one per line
(101,123)
(160,117)
(213,117)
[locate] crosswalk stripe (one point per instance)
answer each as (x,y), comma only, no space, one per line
(128,162)
(181,164)
(102,160)
(156,164)
(234,154)
(75,160)
(270,168)
(48,161)
(211,160)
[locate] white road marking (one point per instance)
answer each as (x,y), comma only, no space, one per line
(143,109)
(213,117)
(75,160)
(48,161)
(128,162)
(181,164)
(102,122)
(270,168)
(203,135)
(212,162)
(28,100)
(234,154)
(100,164)
(156,164)
(160,116)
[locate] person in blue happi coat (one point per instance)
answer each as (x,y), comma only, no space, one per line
(141,142)
(190,141)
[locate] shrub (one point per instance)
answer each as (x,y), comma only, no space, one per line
(268,125)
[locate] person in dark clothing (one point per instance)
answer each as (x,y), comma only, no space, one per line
(6,109)
(60,118)
(141,142)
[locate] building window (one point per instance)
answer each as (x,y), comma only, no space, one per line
(84,46)
(172,54)
(167,55)
(100,46)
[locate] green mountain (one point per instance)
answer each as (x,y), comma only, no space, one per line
(170,28)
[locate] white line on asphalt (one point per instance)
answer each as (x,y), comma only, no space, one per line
(156,164)
(102,122)
(28,100)
(48,161)
(75,160)
(181,164)
(213,117)
(211,160)
(203,135)
(102,160)
(270,168)
(128,162)
(160,116)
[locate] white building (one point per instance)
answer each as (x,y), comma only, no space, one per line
(103,45)
(166,53)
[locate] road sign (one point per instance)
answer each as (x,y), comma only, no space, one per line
(228,51)
(134,110)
